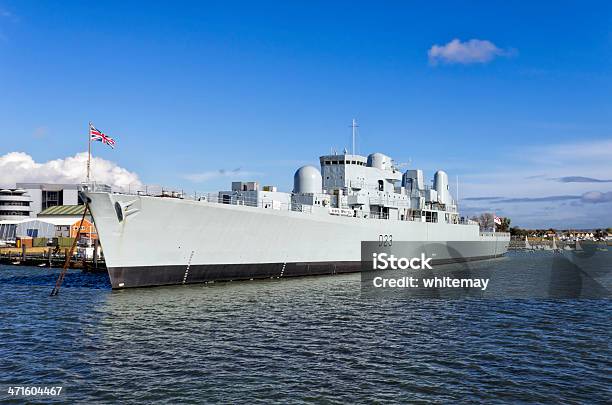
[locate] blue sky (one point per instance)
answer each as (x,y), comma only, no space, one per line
(201,93)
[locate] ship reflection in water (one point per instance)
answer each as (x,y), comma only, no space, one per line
(307,339)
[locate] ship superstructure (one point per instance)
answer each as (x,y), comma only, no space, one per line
(356,186)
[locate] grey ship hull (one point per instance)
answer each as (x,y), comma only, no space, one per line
(151,241)
(157,275)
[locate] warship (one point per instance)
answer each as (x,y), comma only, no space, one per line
(253,232)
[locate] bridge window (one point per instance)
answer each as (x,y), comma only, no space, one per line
(431,216)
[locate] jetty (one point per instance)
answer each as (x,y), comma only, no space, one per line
(52,257)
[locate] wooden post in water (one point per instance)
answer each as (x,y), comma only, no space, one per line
(23,252)
(49,256)
(95,253)
(60,278)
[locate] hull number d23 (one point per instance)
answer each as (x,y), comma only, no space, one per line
(385,240)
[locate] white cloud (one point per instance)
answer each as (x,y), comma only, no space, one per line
(235,174)
(17,167)
(472,51)
(597,197)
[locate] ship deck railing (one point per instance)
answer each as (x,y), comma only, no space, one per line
(264,203)
(162,192)
(389,202)
(491,233)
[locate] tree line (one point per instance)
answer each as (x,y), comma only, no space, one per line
(599,233)
(486,222)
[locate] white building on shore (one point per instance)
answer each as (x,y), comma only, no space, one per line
(58,205)
(15,204)
(45,195)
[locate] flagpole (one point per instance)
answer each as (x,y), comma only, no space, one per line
(457,192)
(494,222)
(88,151)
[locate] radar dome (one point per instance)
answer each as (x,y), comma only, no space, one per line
(307,180)
(441,186)
(379,161)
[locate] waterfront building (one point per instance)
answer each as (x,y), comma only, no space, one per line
(66,218)
(64,211)
(15,204)
(49,227)
(8,230)
(44,210)
(46,195)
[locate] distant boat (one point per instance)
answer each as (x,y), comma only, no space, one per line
(527,245)
(554,245)
(578,246)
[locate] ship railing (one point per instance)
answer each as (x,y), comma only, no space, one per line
(265,203)
(358,184)
(490,233)
(374,215)
(153,191)
(216,198)
(343,212)
(388,202)
(95,186)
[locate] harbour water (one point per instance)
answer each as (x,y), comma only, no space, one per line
(299,340)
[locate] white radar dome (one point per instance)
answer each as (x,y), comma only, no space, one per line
(307,180)
(441,186)
(379,161)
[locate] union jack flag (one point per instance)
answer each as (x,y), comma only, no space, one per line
(97,135)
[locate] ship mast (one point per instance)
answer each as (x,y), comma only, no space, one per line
(354,126)
(457,192)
